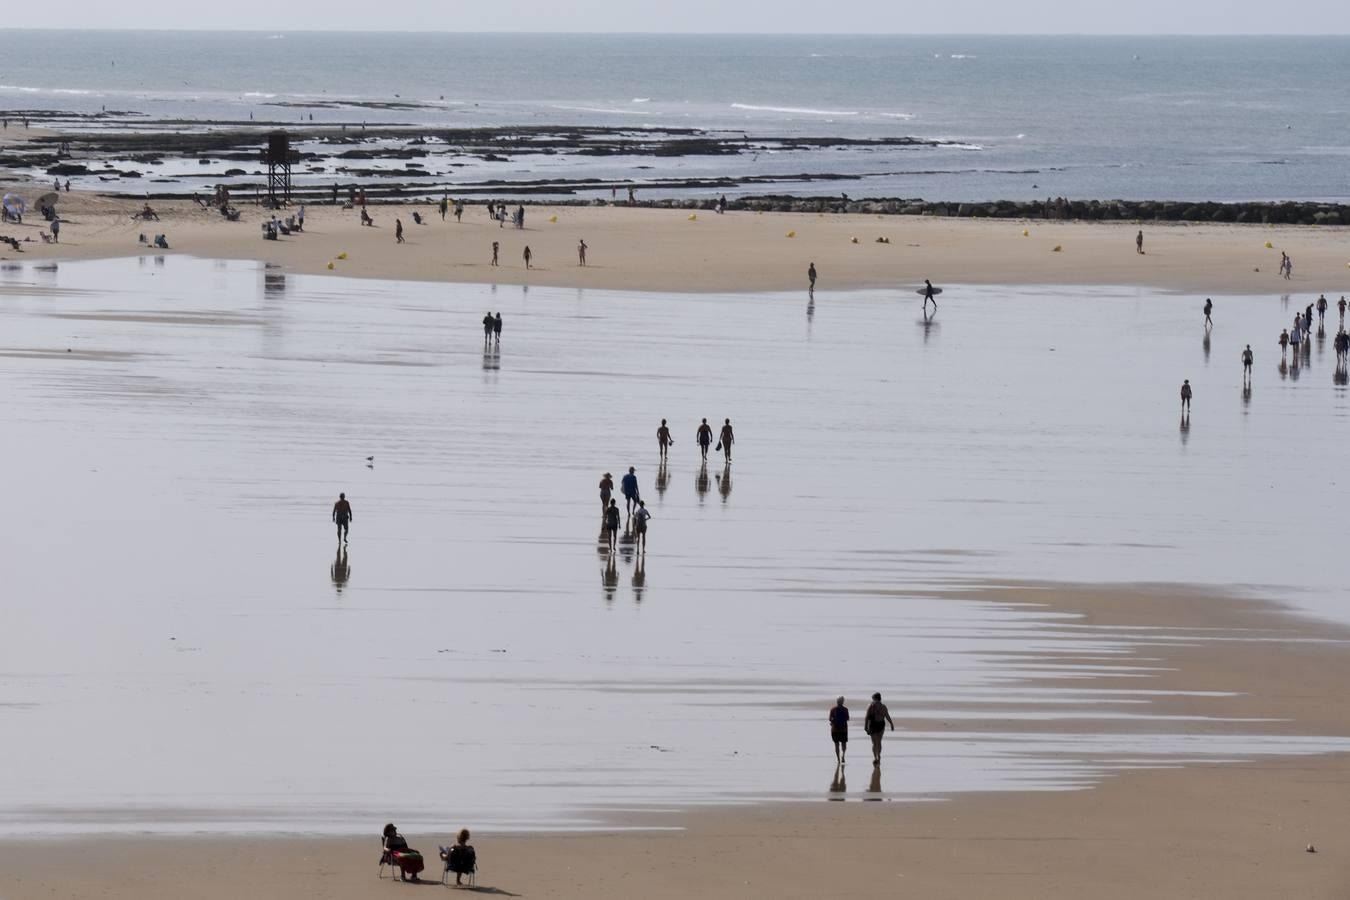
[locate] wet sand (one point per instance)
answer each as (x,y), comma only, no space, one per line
(1012,471)
(662,250)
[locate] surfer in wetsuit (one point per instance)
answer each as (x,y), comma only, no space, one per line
(928,294)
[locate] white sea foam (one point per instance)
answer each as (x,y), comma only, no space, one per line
(642,99)
(602,110)
(794,110)
(905,116)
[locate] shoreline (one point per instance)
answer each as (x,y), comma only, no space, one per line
(644,249)
(1232,829)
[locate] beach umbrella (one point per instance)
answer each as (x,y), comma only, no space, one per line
(13,204)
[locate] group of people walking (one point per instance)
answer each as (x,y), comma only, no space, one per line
(638,514)
(875,722)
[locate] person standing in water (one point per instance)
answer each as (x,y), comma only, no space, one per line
(811,278)
(640,519)
(726,439)
(629,485)
(497,328)
(1284,343)
(663,439)
(704,438)
(1186,395)
(1139,242)
(581,252)
(1209,308)
(1296,336)
(1321,310)
(1247,359)
(875,721)
(929,295)
(839,729)
(342,517)
(606,491)
(612,524)
(488,325)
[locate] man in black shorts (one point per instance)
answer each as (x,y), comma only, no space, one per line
(839,729)
(342,515)
(875,722)
(704,438)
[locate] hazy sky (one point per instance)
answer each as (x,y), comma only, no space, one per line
(803,16)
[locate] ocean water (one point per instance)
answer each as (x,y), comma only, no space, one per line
(1205,118)
(185,647)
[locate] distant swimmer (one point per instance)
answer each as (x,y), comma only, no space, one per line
(1209,308)
(497,328)
(527,256)
(1247,359)
(1186,395)
(875,721)
(1139,242)
(663,439)
(606,491)
(489,325)
(581,252)
(704,438)
(612,523)
(640,520)
(342,516)
(629,485)
(929,295)
(1284,342)
(839,729)
(726,439)
(495,248)
(811,277)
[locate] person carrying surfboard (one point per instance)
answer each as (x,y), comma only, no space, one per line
(928,294)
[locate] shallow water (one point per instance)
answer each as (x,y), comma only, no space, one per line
(185,649)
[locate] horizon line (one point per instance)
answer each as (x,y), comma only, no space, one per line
(581,33)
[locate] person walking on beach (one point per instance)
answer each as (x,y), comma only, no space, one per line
(459,211)
(1296,336)
(1284,342)
(811,278)
(1288,267)
(1321,310)
(629,485)
(528,255)
(495,248)
(606,491)
(1247,359)
(875,721)
(56,230)
(1341,305)
(640,519)
(612,524)
(1139,242)
(929,295)
(1209,308)
(725,439)
(342,516)
(398,231)
(663,438)
(445,206)
(704,438)
(581,252)
(489,325)
(1186,395)
(839,729)
(497,328)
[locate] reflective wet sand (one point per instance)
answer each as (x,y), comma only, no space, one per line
(186,648)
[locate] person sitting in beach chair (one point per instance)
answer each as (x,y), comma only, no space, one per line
(395,853)
(161,242)
(366,219)
(461,859)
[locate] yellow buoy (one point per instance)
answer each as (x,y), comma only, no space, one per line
(553,218)
(330,267)
(1058,248)
(342,255)
(792,234)
(1269,245)
(693,217)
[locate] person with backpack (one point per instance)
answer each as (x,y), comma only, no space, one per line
(874,723)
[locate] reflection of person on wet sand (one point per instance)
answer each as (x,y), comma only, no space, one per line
(340,570)
(662,479)
(639,578)
(838,784)
(702,482)
(612,517)
(839,729)
(724,482)
(610,579)
(663,438)
(342,516)
(704,438)
(874,786)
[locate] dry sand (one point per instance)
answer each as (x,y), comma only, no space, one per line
(656,249)
(1230,831)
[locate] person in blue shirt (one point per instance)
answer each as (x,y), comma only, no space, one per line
(629,486)
(839,729)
